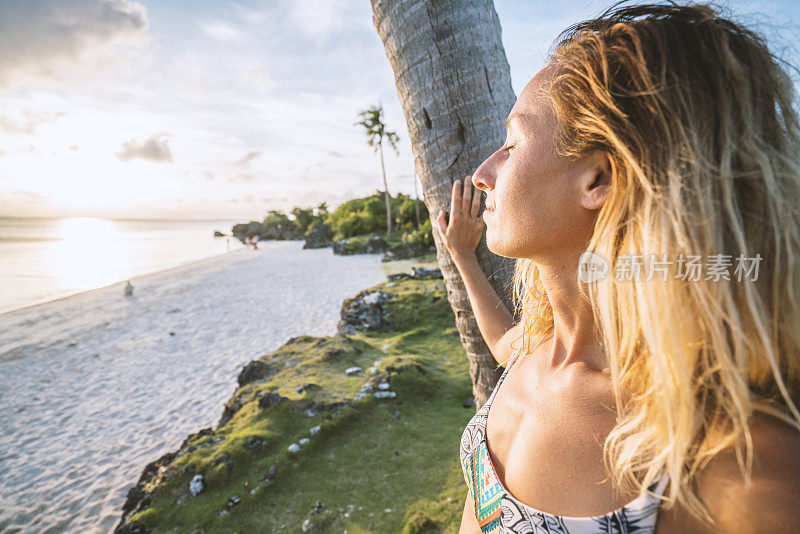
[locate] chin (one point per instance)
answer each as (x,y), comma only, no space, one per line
(502,247)
(496,246)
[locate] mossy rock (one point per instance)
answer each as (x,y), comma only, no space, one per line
(410,310)
(420,523)
(323,521)
(411,379)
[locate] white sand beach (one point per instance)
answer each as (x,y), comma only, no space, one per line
(96,385)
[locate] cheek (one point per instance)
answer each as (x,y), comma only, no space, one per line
(537,212)
(513,227)
(525,198)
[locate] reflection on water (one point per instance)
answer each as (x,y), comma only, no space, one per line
(49,258)
(91,253)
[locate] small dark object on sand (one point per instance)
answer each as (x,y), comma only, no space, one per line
(128,289)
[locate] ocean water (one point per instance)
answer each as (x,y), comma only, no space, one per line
(96,385)
(43,259)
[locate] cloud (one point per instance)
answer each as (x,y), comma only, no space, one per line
(221,31)
(154,149)
(258,77)
(30,196)
(28,121)
(250,156)
(317,18)
(246,199)
(51,39)
(311,172)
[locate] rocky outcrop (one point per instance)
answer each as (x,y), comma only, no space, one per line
(269,398)
(233,405)
(366,310)
(139,496)
(134,527)
(363,312)
(317,236)
(279,232)
(405,251)
(417,273)
(355,245)
(343,247)
(257,371)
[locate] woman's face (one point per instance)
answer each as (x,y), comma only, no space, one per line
(538,204)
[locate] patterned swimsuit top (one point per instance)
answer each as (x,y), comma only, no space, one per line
(497,511)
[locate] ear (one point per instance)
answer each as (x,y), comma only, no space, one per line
(595,181)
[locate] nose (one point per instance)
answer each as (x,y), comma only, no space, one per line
(485,175)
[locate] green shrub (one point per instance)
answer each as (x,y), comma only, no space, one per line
(422,236)
(368,215)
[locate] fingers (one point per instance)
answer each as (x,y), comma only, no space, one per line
(441,223)
(455,201)
(466,197)
(476,202)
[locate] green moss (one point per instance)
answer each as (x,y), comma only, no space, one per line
(442,512)
(421,523)
(147,516)
(369,456)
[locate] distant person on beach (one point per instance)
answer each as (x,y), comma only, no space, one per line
(128,289)
(649,190)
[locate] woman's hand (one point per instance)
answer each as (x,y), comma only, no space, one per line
(462,233)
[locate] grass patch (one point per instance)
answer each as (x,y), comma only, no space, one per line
(375,465)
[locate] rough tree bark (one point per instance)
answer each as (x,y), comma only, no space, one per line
(454,84)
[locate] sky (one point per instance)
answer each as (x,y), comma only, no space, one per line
(216,109)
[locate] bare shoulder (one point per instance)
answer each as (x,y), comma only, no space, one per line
(508,343)
(771,502)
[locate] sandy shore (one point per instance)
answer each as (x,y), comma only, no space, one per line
(96,385)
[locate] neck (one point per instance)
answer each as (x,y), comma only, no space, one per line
(575,339)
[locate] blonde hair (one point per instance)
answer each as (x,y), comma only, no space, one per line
(696,116)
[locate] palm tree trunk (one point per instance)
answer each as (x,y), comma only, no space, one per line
(416,200)
(386,195)
(454,84)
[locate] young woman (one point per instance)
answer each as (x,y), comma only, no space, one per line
(654,382)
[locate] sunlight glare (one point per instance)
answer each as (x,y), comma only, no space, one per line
(89,253)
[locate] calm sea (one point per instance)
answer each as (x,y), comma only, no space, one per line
(44,259)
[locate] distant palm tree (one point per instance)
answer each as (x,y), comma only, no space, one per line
(372,121)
